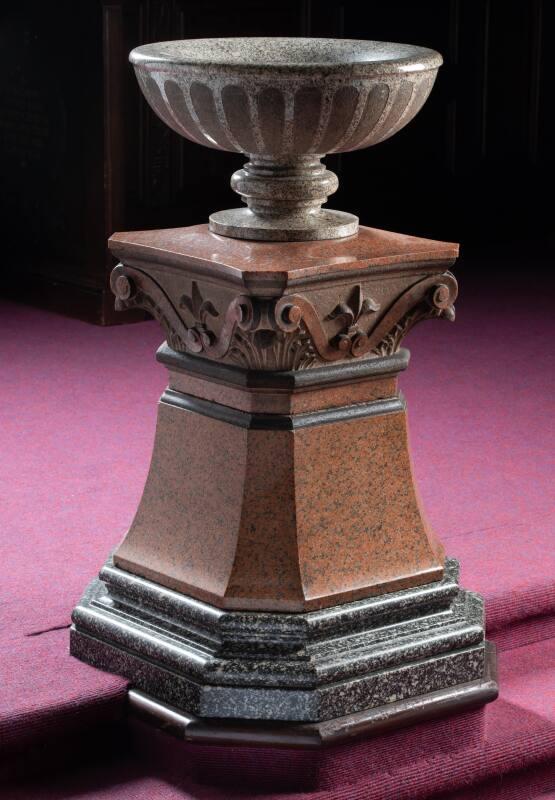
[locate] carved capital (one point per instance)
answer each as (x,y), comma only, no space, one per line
(293,332)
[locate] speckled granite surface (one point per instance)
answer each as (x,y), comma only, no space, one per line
(305,667)
(277,519)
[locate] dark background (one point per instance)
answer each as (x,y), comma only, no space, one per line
(82,155)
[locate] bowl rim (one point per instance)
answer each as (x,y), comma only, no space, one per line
(417,58)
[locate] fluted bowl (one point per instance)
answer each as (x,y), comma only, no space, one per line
(285,102)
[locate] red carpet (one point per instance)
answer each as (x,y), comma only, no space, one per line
(77,416)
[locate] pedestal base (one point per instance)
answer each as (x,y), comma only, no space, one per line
(313,735)
(242,223)
(299,679)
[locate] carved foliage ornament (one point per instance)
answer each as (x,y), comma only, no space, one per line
(288,333)
(424,299)
(135,289)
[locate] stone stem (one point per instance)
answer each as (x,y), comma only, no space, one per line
(284,189)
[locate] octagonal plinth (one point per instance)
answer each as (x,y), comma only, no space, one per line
(323,675)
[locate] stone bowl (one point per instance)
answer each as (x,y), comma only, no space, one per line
(285,102)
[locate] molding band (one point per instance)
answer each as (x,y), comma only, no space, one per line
(312,378)
(281,422)
(316,735)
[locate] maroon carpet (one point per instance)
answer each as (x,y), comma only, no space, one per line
(77,417)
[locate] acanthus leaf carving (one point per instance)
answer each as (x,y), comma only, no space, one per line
(264,346)
(276,351)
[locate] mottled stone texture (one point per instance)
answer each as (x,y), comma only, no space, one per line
(280,567)
(365,656)
(285,102)
(285,520)
(284,307)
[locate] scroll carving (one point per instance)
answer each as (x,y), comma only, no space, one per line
(135,289)
(429,310)
(264,346)
(427,298)
(290,333)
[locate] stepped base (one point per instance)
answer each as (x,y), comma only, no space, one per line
(313,735)
(304,678)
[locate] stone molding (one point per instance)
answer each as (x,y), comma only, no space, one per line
(283,422)
(371,659)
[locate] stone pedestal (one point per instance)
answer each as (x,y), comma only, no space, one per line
(280,582)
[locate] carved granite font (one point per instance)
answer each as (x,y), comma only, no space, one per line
(285,103)
(280,582)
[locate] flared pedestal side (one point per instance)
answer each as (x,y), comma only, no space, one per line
(280,528)
(281,510)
